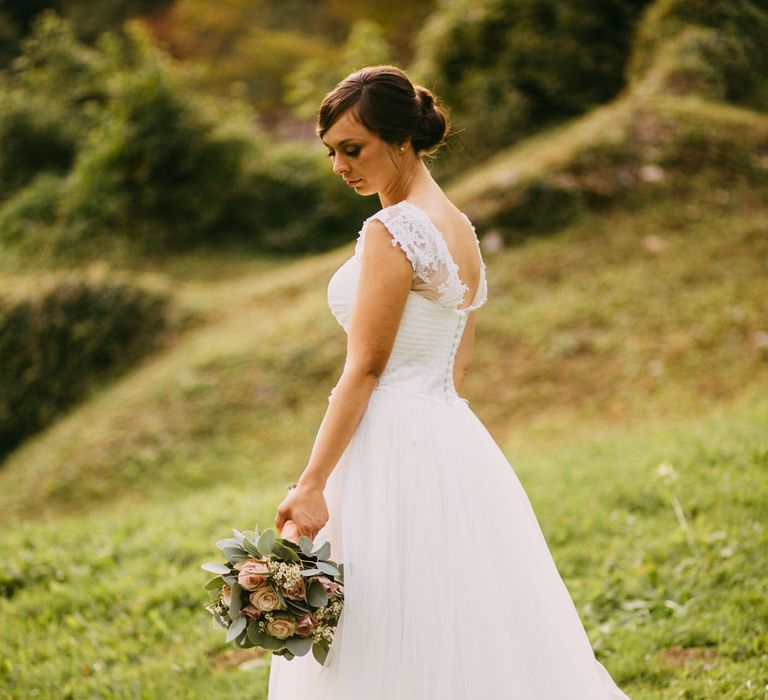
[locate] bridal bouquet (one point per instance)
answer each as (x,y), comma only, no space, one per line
(276,594)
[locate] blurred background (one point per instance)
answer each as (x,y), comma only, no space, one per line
(168,225)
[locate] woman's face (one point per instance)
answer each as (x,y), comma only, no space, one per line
(363,159)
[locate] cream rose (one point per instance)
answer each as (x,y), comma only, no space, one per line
(226,596)
(252,573)
(265,599)
(281,627)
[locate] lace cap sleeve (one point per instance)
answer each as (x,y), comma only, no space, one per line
(435,274)
(409,233)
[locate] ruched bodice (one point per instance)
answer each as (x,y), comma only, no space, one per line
(432,325)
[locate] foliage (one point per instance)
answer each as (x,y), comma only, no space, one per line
(61,338)
(716,49)
(89,18)
(510,67)
(146,162)
(310,81)
(626,152)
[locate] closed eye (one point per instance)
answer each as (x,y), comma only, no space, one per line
(352,153)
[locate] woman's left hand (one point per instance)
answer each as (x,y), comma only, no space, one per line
(306,506)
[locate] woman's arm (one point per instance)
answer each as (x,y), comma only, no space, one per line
(383,287)
(463,359)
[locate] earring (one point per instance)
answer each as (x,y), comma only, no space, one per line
(401,149)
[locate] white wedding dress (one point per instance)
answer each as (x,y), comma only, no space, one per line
(451,591)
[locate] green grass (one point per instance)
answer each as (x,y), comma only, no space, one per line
(107,604)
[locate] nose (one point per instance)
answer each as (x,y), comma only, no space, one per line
(339,165)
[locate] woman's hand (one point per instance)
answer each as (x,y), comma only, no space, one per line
(289,531)
(306,507)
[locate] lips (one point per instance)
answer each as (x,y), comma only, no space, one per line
(352,183)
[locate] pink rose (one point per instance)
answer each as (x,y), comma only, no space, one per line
(252,573)
(250,612)
(297,591)
(305,624)
(330,586)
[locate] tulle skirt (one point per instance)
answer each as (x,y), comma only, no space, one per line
(451,591)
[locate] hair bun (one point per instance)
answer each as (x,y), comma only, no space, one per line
(426,99)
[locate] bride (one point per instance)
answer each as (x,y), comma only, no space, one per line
(451,592)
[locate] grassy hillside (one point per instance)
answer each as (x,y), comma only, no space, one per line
(680,326)
(627,341)
(658,532)
(621,362)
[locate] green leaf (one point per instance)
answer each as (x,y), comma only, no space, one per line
(316,595)
(266,540)
(215,583)
(230,580)
(234,609)
(324,551)
(236,628)
(239,536)
(251,548)
(306,545)
(327,568)
(216,568)
(271,642)
(255,634)
(320,652)
(280,551)
(310,572)
(228,542)
(298,645)
(234,553)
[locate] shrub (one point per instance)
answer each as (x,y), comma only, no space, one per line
(61,337)
(715,48)
(509,67)
(33,138)
(155,166)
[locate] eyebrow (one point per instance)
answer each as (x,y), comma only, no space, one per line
(341,143)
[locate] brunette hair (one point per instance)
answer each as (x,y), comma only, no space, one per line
(387,103)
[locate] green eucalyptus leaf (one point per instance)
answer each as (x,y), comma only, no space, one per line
(238,536)
(320,652)
(298,645)
(316,595)
(266,540)
(327,568)
(215,568)
(255,634)
(236,628)
(324,551)
(306,545)
(310,572)
(234,608)
(270,642)
(234,552)
(251,548)
(230,580)
(214,584)
(228,542)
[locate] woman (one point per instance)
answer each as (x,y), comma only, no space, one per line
(451,592)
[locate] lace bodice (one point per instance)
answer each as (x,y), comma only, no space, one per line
(435,274)
(432,324)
